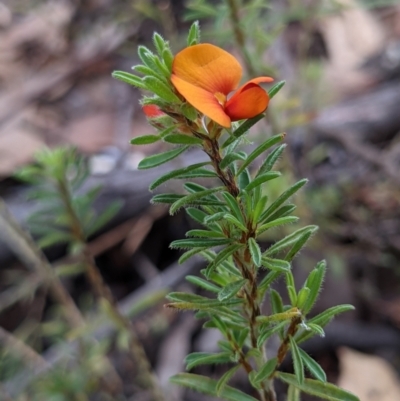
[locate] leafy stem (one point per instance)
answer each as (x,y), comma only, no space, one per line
(244,263)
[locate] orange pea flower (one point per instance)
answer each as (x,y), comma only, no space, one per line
(205,74)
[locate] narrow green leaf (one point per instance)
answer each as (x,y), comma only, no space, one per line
(242,129)
(182,139)
(260,149)
(255,251)
(160,158)
(199,301)
(233,205)
(129,79)
(316,329)
(189,111)
(292,294)
(293,393)
(161,89)
(242,337)
(302,297)
(206,358)
(211,306)
(143,69)
(200,282)
(199,243)
(314,283)
(223,381)
(297,361)
(175,174)
(276,88)
(166,131)
(277,222)
(186,297)
(189,199)
(198,173)
(168,58)
(322,320)
(235,222)
(244,179)
(209,386)
(54,237)
(268,331)
(159,43)
(193,187)
(219,324)
(266,371)
(271,159)
(196,214)
(266,282)
(276,302)
(222,257)
(147,57)
(231,290)
(262,179)
(165,71)
(162,104)
(194,34)
(204,234)
(259,208)
(313,366)
(281,212)
(299,244)
(222,260)
(145,139)
(283,198)
(325,317)
(166,198)
(278,265)
(190,253)
(289,240)
(214,217)
(327,391)
(230,158)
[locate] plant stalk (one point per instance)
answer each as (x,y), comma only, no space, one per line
(245,265)
(103,292)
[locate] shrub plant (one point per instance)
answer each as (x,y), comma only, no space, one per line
(188,101)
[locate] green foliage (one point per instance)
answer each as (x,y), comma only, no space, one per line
(275,89)
(313,366)
(209,386)
(160,158)
(63,209)
(297,361)
(194,34)
(326,391)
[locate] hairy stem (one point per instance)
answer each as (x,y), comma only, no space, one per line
(291,331)
(246,266)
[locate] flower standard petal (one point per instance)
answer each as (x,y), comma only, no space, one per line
(202,100)
(249,101)
(208,67)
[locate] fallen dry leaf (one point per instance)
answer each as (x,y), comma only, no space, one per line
(369,377)
(351,36)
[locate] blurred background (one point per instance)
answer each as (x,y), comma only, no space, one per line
(340,108)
